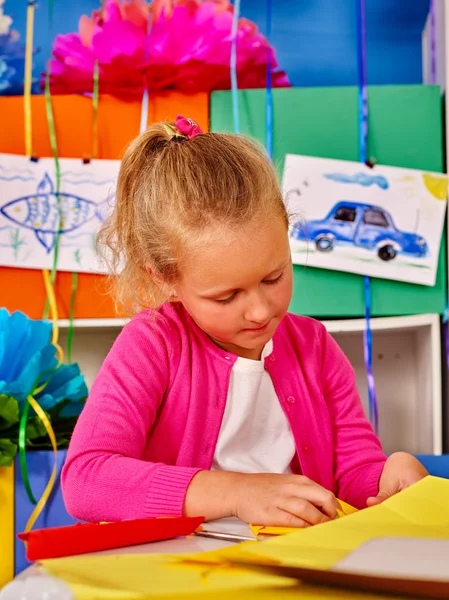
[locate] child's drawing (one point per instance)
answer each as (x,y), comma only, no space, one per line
(35,217)
(383,222)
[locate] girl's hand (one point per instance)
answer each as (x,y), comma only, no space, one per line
(282,501)
(400,471)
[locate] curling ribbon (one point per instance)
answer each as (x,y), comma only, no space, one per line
(363,139)
(31,401)
(234,83)
(54,149)
(28,76)
(269,97)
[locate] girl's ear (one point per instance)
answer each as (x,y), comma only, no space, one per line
(157,278)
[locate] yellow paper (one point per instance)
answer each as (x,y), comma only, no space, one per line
(137,576)
(262,530)
(140,577)
(419,511)
(6,525)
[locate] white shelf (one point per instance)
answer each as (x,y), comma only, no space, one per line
(407,374)
(406,365)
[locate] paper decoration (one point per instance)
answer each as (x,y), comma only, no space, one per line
(186,46)
(33,213)
(27,361)
(383,222)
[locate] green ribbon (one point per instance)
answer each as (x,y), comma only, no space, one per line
(23,430)
(71,316)
(50,14)
(22,452)
(54,149)
(96,93)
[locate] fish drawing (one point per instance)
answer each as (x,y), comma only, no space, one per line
(48,213)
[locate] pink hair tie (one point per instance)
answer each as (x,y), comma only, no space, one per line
(188,127)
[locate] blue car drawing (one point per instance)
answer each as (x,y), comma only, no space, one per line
(362,225)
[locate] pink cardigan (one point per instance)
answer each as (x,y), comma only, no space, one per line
(154,413)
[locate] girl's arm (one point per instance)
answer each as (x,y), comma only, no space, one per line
(358,456)
(104,477)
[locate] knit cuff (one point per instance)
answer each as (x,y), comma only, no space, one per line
(367,484)
(167,491)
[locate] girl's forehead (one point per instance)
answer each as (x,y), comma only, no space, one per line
(250,252)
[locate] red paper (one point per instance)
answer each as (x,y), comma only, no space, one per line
(56,542)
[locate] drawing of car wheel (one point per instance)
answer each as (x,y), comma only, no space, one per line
(324,243)
(386,252)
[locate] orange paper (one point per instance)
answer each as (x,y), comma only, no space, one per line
(118,124)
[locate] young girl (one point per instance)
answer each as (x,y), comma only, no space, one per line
(214,400)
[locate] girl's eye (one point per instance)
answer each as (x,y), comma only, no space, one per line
(227,300)
(277,280)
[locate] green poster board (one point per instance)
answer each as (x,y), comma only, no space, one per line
(405,130)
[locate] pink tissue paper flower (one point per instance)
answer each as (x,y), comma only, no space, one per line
(180,45)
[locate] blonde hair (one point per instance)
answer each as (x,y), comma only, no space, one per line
(171,193)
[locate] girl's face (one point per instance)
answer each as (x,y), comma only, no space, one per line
(238,290)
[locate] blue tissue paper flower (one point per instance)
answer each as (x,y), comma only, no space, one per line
(27,358)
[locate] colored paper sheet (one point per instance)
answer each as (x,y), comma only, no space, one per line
(137,577)
(405,130)
(346,509)
(118,123)
(142,576)
(418,512)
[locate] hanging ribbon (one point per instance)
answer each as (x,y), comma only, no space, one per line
(48,281)
(234,83)
(72,316)
(144,110)
(31,401)
(50,14)
(433,44)
(433,81)
(54,149)
(269,98)
(363,142)
(96,80)
(28,78)
(146,95)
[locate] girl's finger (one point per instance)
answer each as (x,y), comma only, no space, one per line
(324,500)
(305,510)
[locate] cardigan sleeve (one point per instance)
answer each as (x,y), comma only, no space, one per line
(104,477)
(358,456)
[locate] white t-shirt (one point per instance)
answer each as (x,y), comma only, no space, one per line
(255,435)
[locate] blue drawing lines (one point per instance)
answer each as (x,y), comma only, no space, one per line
(36,216)
(48,213)
(360,178)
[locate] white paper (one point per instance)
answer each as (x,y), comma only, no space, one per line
(383,222)
(32,211)
(419,558)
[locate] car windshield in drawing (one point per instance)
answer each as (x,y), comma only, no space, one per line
(386,222)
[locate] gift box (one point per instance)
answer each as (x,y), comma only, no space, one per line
(6,525)
(39,466)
